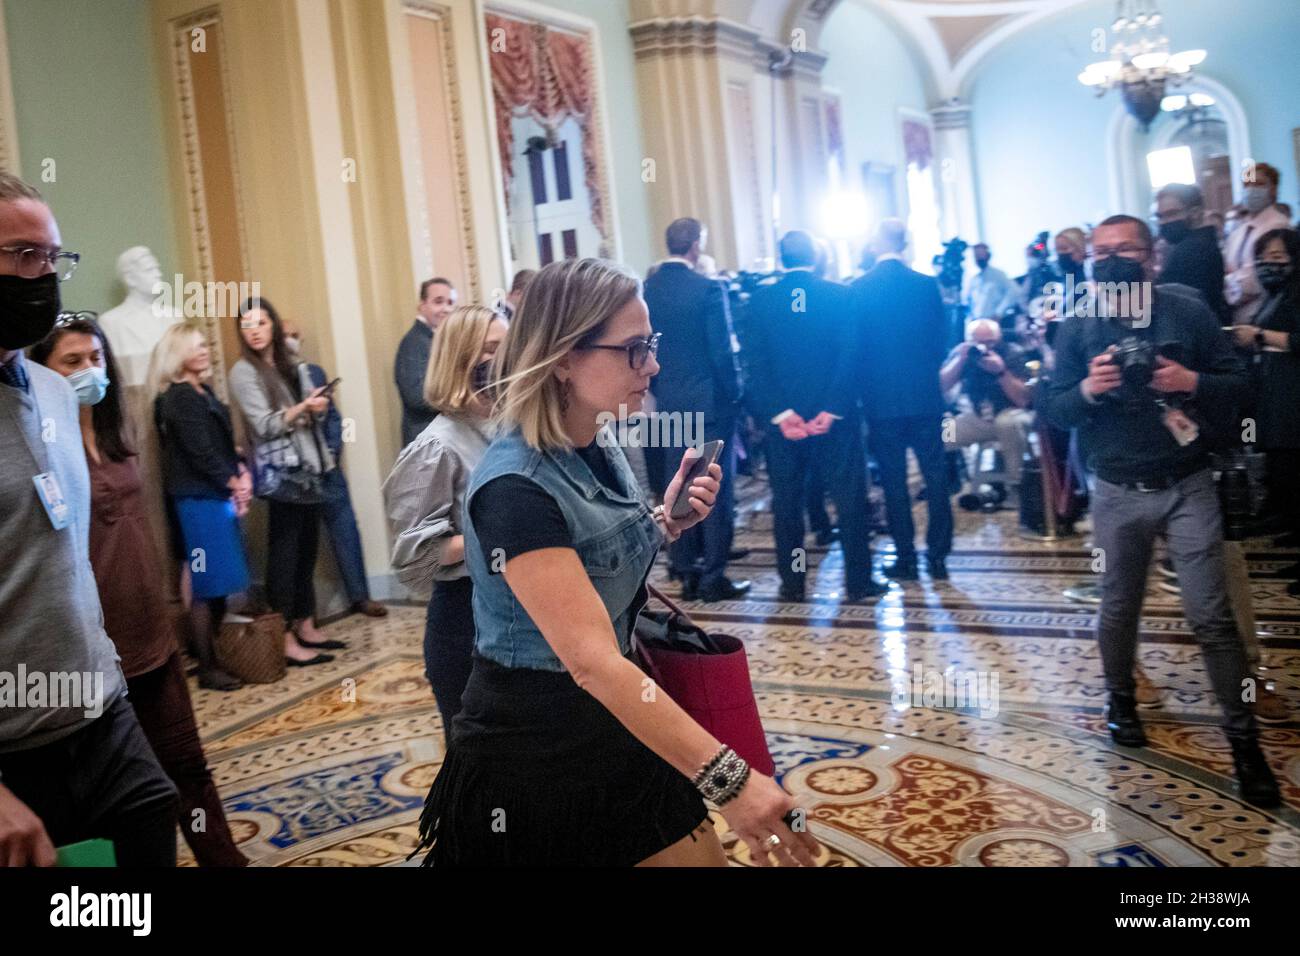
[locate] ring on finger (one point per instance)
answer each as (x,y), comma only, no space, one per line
(772,842)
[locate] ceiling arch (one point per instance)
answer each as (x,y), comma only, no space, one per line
(952,36)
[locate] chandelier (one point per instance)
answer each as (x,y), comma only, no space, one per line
(1140,63)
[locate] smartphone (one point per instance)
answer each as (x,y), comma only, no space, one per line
(709,454)
(329,389)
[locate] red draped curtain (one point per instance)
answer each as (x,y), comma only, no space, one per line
(546,74)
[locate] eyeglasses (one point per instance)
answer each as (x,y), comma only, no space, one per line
(638,352)
(31,262)
(67,318)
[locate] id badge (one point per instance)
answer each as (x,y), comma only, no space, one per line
(51,495)
(1184,430)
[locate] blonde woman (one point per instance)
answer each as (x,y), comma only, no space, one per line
(208,487)
(564,753)
(425,496)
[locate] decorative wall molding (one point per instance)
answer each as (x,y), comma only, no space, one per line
(464,200)
(200,235)
(665,36)
(9,156)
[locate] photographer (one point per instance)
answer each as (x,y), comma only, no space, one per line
(993,376)
(1143,419)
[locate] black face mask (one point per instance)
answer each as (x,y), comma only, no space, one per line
(982,263)
(1175,232)
(28,310)
(1067,266)
(1118,269)
(479,376)
(1273,276)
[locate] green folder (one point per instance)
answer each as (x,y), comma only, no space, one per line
(86,853)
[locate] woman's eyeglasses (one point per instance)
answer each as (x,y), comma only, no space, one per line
(31,262)
(638,352)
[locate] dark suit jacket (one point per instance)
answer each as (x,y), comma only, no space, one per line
(698,370)
(408,372)
(801,347)
(1197,262)
(333,424)
(198,442)
(903,341)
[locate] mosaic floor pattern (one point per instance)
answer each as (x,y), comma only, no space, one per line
(329,767)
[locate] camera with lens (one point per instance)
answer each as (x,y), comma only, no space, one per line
(949,265)
(1136,359)
(976,351)
(1236,496)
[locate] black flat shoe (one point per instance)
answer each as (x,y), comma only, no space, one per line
(828,537)
(903,569)
(875,589)
(217,679)
(723,590)
(1123,723)
(323,645)
(938,568)
(792,594)
(738,554)
(318,659)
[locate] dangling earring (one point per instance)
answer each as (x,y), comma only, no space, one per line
(564,396)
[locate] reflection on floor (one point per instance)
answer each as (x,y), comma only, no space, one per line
(330,766)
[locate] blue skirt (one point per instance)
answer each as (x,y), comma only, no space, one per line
(213,546)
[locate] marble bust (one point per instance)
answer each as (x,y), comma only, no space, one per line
(134,327)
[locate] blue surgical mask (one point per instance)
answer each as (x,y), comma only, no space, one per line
(1257,199)
(90,384)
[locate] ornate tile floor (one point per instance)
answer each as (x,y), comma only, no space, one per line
(329,767)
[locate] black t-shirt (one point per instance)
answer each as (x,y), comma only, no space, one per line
(515,514)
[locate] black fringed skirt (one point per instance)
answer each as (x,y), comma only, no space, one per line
(539,773)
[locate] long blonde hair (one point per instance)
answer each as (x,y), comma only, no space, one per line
(456,350)
(566,303)
(167,363)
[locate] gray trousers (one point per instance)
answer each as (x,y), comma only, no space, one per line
(1126,523)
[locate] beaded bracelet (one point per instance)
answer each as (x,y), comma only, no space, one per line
(723,777)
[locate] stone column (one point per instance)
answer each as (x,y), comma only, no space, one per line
(956,170)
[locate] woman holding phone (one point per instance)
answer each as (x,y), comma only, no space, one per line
(285,415)
(565,752)
(425,496)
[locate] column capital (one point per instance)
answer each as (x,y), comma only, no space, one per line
(953,114)
(702,36)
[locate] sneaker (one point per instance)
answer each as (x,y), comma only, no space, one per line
(1255,781)
(1146,694)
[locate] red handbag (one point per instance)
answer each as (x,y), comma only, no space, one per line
(707,675)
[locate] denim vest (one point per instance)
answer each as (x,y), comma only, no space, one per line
(615,537)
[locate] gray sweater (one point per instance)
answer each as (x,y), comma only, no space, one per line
(58,669)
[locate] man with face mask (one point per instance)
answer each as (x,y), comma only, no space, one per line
(74,763)
(1259,195)
(1144,420)
(1194,257)
(989,293)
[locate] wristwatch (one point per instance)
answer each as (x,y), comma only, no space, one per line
(1259,338)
